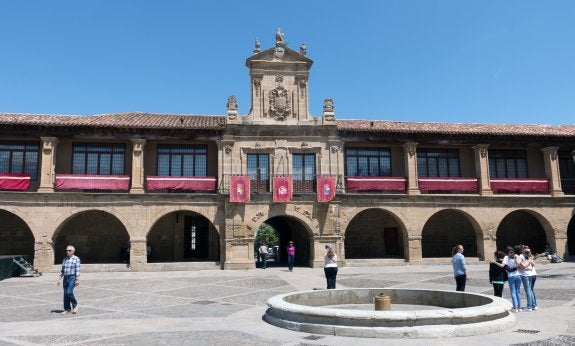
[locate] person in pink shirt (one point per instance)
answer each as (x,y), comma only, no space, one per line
(291,255)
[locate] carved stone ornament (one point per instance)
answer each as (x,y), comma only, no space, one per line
(232,103)
(411,150)
(303,49)
(334,149)
(302,84)
(279,52)
(228,149)
(328,105)
(304,145)
(257,85)
(258,145)
(483,152)
(279,101)
(257,46)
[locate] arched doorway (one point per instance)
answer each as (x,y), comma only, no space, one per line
(290,229)
(17,238)
(98,236)
(521,227)
(374,233)
(183,236)
(570,238)
(446,229)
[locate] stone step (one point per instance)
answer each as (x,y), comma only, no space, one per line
(150,267)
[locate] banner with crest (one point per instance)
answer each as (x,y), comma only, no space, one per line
(282,189)
(326,187)
(239,188)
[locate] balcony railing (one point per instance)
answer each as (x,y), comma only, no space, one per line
(14,181)
(447,184)
(537,185)
(375,183)
(187,183)
(92,182)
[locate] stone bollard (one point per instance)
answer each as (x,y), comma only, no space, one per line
(382,302)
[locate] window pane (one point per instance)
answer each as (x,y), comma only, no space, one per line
(188,163)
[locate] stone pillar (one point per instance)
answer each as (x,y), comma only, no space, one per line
(410,154)
(44,254)
(552,170)
(482,169)
(138,254)
(414,252)
(137,166)
(47,169)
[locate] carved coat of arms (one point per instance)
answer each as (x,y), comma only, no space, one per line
(279,101)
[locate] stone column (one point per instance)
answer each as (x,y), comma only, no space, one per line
(410,154)
(138,254)
(414,252)
(552,170)
(482,169)
(137,166)
(47,169)
(44,254)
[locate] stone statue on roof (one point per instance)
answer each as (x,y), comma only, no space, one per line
(279,38)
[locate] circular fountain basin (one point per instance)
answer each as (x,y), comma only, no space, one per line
(439,313)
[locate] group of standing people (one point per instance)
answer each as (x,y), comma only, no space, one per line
(330,261)
(516,266)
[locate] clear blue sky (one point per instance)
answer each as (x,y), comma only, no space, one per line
(439,61)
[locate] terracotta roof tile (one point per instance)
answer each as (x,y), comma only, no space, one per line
(215,122)
(454,128)
(122,120)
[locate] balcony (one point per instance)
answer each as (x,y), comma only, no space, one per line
(92,182)
(187,183)
(524,185)
(447,184)
(375,183)
(14,181)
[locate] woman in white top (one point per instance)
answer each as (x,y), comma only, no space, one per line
(527,271)
(330,267)
(513,278)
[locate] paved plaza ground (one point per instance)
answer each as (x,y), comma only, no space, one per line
(216,307)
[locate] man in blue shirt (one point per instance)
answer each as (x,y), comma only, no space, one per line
(70,277)
(459,268)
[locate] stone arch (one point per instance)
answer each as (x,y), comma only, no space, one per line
(301,214)
(527,227)
(448,228)
(183,236)
(17,237)
(289,229)
(375,233)
(97,235)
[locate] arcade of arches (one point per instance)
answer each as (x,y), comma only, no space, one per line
(373,233)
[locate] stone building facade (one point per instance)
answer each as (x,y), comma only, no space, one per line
(377,191)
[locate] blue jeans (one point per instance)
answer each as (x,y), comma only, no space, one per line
(533,278)
(526,280)
(68,284)
(515,290)
(290,261)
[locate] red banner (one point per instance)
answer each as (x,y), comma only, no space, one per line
(448,184)
(239,188)
(92,182)
(519,184)
(376,183)
(282,189)
(13,181)
(326,188)
(180,183)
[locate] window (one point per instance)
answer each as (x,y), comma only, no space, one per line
(303,172)
(20,158)
(508,164)
(258,170)
(438,163)
(368,162)
(98,158)
(182,160)
(567,172)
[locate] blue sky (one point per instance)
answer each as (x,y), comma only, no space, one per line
(438,61)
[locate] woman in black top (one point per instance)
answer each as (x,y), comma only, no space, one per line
(497,274)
